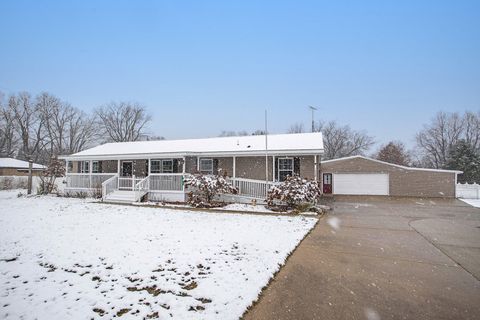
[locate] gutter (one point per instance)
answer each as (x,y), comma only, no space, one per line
(134,156)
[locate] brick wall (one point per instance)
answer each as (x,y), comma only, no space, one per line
(403,182)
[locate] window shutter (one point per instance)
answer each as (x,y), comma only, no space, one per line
(175,165)
(276,170)
(296,166)
(215,166)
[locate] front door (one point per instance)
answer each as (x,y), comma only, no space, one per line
(327,183)
(127,169)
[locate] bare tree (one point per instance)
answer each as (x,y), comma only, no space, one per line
(67,129)
(8,137)
(225,133)
(394,152)
(82,132)
(150,137)
(258,133)
(296,128)
(472,129)
(437,138)
(55,117)
(342,141)
(123,121)
(29,125)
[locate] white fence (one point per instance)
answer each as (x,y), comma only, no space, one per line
(468,191)
(21,182)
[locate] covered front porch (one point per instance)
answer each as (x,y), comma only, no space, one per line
(162,179)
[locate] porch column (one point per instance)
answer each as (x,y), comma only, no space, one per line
(183,165)
(118,173)
(149,166)
(198,164)
(90,172)
(67,163)
(234,167)
(315,165)
(273,168)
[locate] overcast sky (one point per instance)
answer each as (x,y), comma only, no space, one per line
(206,66)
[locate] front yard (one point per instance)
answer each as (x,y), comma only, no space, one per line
(70,258)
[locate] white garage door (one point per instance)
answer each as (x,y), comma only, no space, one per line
(360,184)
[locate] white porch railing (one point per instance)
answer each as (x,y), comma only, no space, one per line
(109,186)
(257,189)
(128,183)
(141,188)
(167,182)
(110,182)
(87,180)
(468,191)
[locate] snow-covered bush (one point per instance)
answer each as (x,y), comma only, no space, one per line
(205,187)
(294,191)
(96,191)
(55,169)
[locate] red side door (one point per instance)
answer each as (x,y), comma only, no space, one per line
(327,183)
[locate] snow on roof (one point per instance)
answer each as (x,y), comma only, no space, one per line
(281,143)
(392,164)
(17,164)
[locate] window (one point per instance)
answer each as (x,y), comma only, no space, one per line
(84,166)
(161,166)
(167,166)
(206,166)
(95,167)
(285,168)
(155,166)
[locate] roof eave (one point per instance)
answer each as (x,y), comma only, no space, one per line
(299,152)
(394,165)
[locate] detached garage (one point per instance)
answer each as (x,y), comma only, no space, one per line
(360,175)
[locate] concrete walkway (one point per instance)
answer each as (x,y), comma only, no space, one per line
(389,259)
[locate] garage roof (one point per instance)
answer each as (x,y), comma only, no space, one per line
(18,164)
(392,164)
(300,143)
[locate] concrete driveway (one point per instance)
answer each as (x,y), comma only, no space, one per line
(388,259)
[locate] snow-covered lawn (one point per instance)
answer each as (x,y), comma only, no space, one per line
(472,202)
(74,259)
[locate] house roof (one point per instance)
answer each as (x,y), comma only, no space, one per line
(392,164)
(18,164)
(299,143)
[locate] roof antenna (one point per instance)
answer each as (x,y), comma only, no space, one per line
(313,122)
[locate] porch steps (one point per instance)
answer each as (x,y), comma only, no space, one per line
(120,196)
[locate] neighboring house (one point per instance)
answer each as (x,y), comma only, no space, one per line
(360,175)
(15,167)
(129,170)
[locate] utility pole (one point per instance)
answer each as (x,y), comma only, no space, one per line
(266,148)
(313,121)
(29,181)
